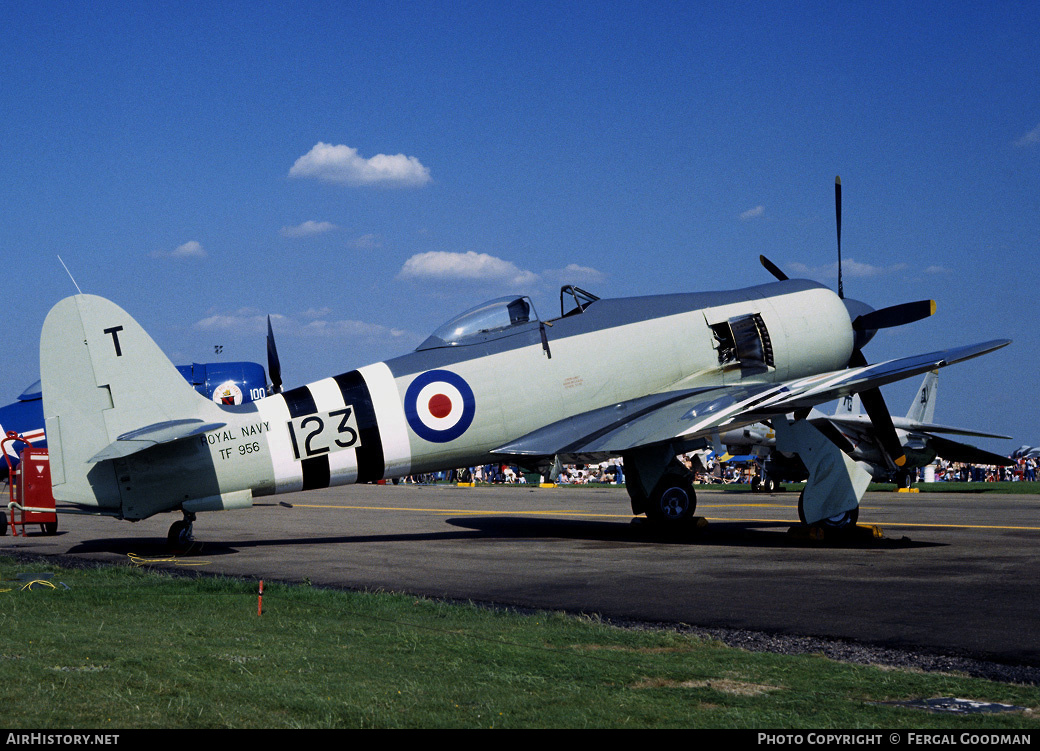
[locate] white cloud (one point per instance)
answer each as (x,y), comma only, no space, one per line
(308,228)
(572,273)
(849,268)
(368,242)
(467,266)
(190,249)
(309,323)
(241,321)
(342,164)
(1029,138)
(754,213)
(345,328)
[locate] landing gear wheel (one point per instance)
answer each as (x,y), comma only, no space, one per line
(904,480)
(3,523)
(673,503)
(50,528)
(180,535)
(756,484)
(844,520)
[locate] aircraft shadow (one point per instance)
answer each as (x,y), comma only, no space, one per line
(734,534)
(718,534)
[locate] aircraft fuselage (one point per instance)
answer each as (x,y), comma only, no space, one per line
(449,404)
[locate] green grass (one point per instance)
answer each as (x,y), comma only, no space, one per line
(122,647)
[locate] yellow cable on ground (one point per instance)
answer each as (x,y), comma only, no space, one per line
(139,560)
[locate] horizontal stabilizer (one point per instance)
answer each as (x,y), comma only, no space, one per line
(926,427)
(953,451)
(861,424)
(151,435)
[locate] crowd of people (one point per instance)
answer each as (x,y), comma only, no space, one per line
(707,470)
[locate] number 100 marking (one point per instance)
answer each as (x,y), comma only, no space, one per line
(324,433)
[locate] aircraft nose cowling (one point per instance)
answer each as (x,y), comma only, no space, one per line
(856,308)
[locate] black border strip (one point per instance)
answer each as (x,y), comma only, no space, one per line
(370,459)
(316,472)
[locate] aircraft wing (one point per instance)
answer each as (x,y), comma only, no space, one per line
(954,451)
(698,413)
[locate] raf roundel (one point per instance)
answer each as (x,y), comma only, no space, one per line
(439,406)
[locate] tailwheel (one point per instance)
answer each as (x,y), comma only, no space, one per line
(673,503)
(844,521)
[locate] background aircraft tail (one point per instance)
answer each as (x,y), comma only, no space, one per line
(108,392)
(922,408)
(849,405)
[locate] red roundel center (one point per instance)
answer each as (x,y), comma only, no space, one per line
(440,406)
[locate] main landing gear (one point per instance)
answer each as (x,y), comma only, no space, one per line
(661,486)
(840,522)
(180,536)
(673,502)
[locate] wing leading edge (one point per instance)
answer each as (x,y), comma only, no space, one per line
(698,413)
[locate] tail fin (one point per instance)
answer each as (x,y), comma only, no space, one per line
(108,391)
(848,405)
(922,408)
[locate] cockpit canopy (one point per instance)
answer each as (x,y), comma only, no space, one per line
(494,319)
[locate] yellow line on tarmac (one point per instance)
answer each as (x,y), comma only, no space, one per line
(467,512)
(958,526)
(741,505)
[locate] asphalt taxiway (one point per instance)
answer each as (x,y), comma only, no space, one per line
(953,573)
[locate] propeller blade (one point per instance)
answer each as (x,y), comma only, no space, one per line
(773,269)
(896,315)
(876,409)
(274,368)
(837,217)
(874,405)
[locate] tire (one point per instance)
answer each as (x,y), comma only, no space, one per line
(673,503)
(50,528)
(180,535)
(844,520)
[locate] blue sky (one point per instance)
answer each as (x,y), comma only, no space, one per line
(363,171)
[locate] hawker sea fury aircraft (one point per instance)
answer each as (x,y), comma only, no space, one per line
(496,383)
(643,378)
